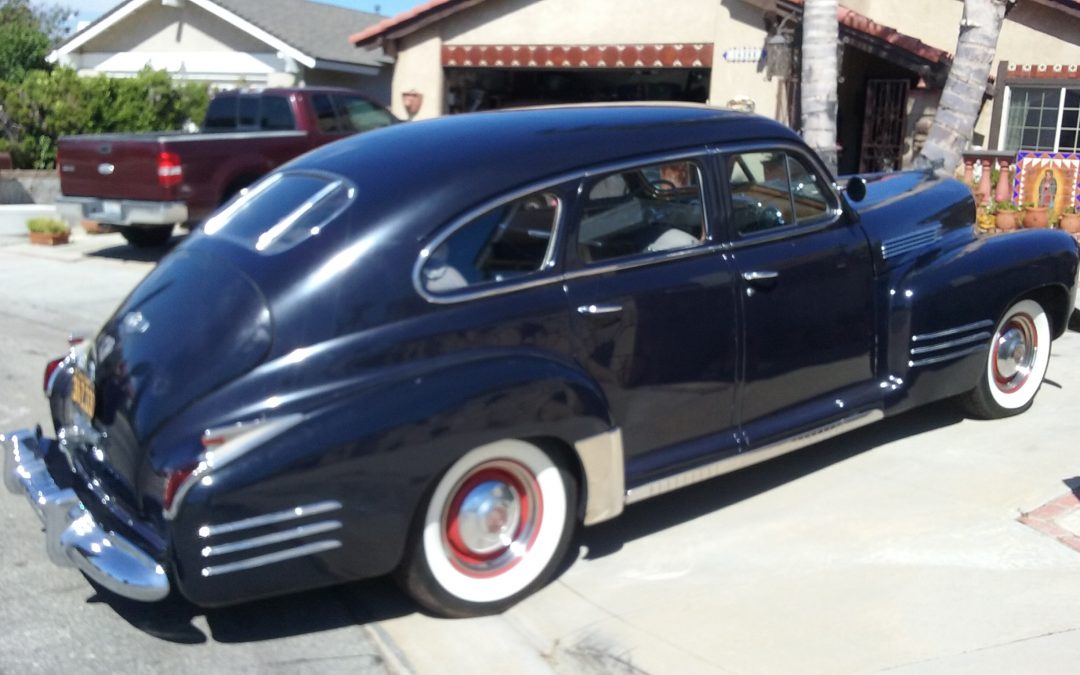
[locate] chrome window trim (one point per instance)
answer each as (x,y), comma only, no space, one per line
(832,193)
(581,177)
(492,288)
(591,179)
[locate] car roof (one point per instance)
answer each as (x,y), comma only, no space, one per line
(442,166)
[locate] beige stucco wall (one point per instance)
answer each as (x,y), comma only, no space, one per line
(156,28)
(725,23)
(1032,33)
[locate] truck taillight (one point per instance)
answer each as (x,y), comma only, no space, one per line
(170,172)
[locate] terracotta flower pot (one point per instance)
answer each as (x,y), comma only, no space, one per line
(94,227)
(1007,221)
(49,239)
(1036,217)
(1070,222)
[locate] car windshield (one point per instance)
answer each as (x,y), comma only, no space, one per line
(282,210)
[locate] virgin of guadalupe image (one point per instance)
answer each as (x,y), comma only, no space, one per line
(1048,189)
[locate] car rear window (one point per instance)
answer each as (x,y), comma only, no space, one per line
(282,210)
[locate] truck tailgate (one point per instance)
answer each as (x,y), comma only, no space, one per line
(112,166)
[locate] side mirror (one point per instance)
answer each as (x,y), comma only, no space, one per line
(855,189)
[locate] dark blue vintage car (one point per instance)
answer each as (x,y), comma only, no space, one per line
(438,348)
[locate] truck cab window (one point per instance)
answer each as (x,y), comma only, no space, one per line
(221,114)
(275,114)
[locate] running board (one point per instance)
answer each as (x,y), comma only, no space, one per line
(751,457)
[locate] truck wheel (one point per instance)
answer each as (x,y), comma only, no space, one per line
(143,237)
(494,529)
(1015,365)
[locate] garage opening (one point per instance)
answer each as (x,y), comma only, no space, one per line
(472,89)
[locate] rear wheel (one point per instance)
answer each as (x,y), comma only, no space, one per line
(1016,364)
(494,530)
(142,236)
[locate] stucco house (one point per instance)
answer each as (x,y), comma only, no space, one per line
(460,55)
(232,43)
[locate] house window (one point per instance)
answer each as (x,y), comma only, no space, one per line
(1043,118)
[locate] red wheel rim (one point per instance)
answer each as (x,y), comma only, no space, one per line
(492,518)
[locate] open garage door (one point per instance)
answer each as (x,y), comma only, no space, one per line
(491,77)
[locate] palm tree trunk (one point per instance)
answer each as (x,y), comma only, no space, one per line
(963,94)
(820,36)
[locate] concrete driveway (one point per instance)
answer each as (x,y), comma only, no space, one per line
(897,548)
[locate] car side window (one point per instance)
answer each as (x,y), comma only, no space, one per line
(773,189)
(505,243)
(359,114)
(221,114)
(275,114)
(643,210)
(325,115)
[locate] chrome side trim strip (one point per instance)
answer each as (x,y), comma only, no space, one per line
(270,558)
(270,518)
(909,242)
(275,538)
(951,343)
(751,457)
(946,357)
(602,460)
(953,331)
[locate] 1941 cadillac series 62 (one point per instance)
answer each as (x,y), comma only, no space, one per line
(438,348)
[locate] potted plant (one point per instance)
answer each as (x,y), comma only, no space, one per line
(984,218)
(1070,220)
(1007,216)
(48,231)
(1036,216)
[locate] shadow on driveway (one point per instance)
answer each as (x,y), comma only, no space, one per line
(379,599)
(124,251)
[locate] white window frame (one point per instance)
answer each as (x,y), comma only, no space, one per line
(1003,133)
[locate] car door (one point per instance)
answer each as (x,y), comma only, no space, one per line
(806,293)
(653,306)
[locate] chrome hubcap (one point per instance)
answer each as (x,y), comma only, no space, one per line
(492,518)
(489,517)
(1014,354)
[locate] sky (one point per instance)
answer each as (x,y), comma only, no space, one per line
(88,10)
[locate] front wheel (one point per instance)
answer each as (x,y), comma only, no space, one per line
(142,236)
(494,529)
(1015,365)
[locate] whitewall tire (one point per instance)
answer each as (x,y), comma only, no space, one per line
(1015,364)
(495,528)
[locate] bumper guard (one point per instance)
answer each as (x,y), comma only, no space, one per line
(72,537)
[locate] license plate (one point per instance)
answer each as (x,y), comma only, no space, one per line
(111,209)
(82,393)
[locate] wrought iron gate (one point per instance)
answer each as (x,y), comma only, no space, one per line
(883,126)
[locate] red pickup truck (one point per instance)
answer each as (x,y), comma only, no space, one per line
(144,184)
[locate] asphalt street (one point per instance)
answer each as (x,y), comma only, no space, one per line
(897,548)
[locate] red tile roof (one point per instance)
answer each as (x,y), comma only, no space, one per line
(428,12)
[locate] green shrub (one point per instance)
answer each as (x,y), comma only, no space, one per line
(47,225)
(47,105)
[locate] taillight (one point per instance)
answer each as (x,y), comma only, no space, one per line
(173,481)
(170,172)
(50,371)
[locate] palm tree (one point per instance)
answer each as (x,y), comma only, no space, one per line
(820,35)
(964,89)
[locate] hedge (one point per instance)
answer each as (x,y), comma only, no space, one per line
(35,112)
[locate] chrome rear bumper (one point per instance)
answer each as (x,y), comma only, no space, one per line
(122,211)
(72,536)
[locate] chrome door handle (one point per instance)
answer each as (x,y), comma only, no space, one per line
(599,309)
(763,275)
